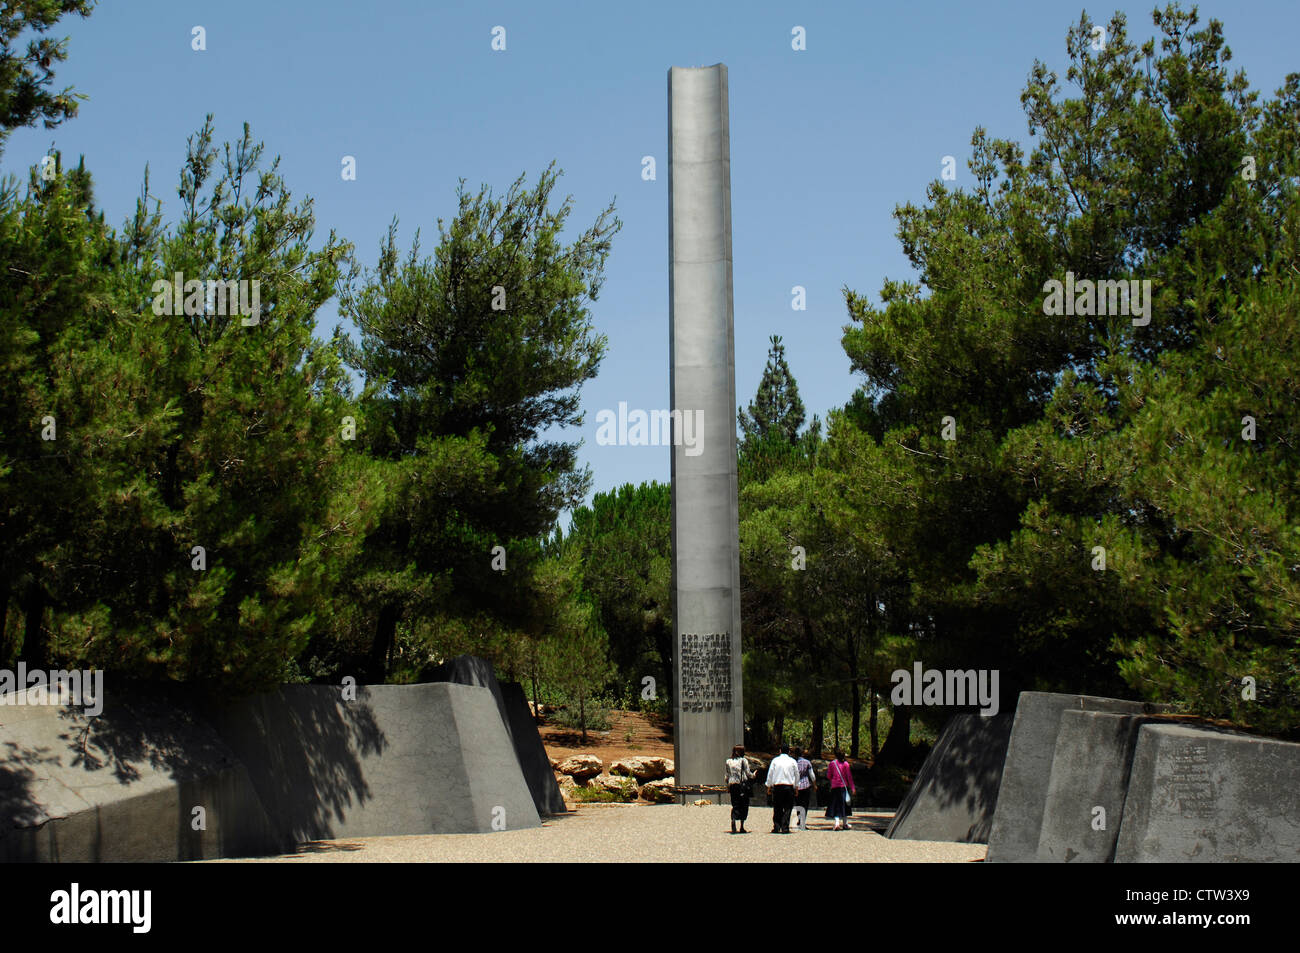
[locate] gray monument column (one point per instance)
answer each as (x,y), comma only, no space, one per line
(706,546)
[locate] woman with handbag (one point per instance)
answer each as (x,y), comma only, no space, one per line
(739,778)
(842,790)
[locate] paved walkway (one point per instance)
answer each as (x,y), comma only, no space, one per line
(666,833)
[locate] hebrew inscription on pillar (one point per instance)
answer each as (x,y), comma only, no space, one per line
(706,671)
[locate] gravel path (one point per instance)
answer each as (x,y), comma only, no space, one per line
(666,833)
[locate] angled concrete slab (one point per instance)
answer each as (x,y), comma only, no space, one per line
(1090,770)
(125,785)
(955,793)
(520,725)
(400,759)
(297,764)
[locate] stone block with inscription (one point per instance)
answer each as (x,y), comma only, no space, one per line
(1026,773)
(1205,795)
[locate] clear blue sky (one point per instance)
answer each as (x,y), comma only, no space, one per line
(824,142)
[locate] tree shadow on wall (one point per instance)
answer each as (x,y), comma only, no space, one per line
(18,808)
(270,771)
(303,748)
(65,764)
(964,769)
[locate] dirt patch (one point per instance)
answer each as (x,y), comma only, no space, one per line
(631,734)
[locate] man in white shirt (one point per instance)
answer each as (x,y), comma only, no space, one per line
(782,776)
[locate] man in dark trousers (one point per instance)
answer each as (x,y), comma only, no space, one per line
(782,776)
(804,789)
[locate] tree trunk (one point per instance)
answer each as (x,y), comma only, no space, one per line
(778,729)
(385,631)
(836,716)
(34,652)
(582,714)
(664,645)
(6,586)
(854,731)
(537,709)
(855,692)
(875,731)
(818,734)
(898,743)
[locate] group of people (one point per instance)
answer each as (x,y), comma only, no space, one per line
(790,782)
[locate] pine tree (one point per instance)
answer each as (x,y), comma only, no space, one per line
(201,550)
(623,540)
(573,649)
(470,357)
(25,76)
(60,416)
(1062,424)
(776,411)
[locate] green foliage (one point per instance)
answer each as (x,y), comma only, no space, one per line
(771,440)
(776,410)
(593,715)
(575,660)
(373,536)
(202,430)
(460,401)
(324,555)
(822,597)
(600,795)
(1216,559)
(61,423)
(622,540)
(26,75)
(1085,431)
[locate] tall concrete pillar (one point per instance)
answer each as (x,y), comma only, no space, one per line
(706,546)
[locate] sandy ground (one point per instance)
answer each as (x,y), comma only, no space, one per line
(630,734)
(667,833)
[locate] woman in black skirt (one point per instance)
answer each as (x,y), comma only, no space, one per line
(739,775)
(842,791)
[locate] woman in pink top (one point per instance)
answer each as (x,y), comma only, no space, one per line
(841,776)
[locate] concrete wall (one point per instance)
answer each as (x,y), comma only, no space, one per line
(1090,770)
(1172,791)
(1204,796)
(401,759)
(520,725)
(1022,795)
(296,764)
(956,791)
(122,786)
(705,515)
